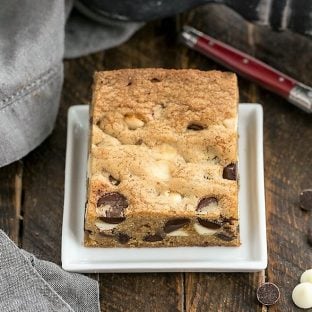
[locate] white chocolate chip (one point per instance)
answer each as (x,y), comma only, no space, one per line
(306,276)
(211,208)
(101,211)
(160,170)
(166,152)
(201,230)
(230,123)
(178,232)
(133,122)
(302,295)
(172,196)
(157,111)
(103,226)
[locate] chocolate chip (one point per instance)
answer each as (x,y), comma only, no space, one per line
(230,172)
(116,203)
(206,201)
(139,142)
(268,294)
(225,236)
(309,236)
(113,180)
(123,238)
(112,220)
(175,224)
(305,199)
(154,80)
(195,127)
(214,225)
(153,238)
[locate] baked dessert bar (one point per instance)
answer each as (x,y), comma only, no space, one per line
(162,159)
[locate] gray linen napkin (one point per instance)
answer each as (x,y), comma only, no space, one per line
(35,35)
(28,284)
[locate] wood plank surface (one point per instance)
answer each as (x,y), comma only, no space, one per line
(36,221)
(10,200)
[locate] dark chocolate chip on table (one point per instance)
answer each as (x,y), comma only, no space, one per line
(206,201)
(305,199)
(113,181)
(213,225)
(153,238)
(117,204)
(195,127)
(175,224)
(268,294)
(112,220)
(230,172)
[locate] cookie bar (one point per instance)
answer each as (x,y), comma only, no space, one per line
(163,159)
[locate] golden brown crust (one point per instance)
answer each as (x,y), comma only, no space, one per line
(162,138)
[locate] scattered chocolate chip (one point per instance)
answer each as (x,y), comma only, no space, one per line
(305,200)
(112,220)
(139,142)
(175,224)
(230,172)
(117,204)
(206,201)
(123,238)
(268,294)
(153,238)
(213,225)
(113,180)
(154,80)
(129,83)
(195,127)
(225,236)
(309,236)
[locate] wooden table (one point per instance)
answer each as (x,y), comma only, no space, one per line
(32,190)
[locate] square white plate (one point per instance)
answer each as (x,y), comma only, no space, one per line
(250,256)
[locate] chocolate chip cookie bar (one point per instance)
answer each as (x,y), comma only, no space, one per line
(162,166)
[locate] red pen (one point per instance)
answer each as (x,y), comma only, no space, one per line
(249,67)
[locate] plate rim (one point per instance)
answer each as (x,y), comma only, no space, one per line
(251,265)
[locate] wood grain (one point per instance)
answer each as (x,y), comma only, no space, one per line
(288,163)
(10,199)
(142,292)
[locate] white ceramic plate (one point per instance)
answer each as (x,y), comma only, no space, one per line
(250,256)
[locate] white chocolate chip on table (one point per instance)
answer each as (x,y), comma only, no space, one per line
(302,295)
(306,276)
